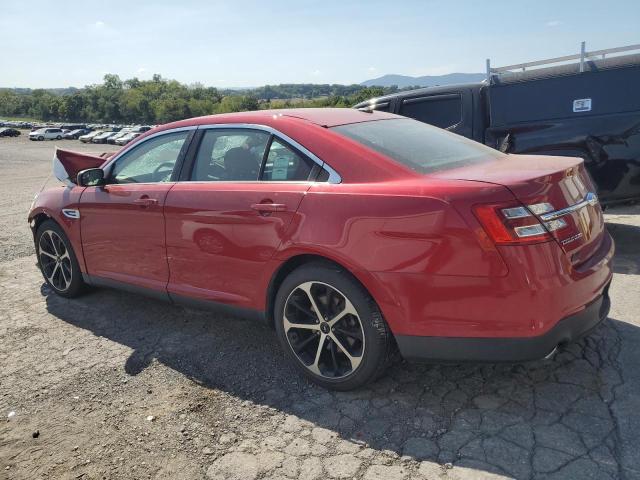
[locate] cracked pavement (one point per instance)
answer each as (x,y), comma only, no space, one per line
(121,386)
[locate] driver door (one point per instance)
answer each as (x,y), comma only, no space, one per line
(122,222)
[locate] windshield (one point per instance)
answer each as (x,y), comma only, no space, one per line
(421,147)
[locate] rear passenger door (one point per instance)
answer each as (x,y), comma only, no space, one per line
(231,211)
(443,110)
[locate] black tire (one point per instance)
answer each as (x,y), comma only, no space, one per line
(375,349)
(47,264)
(41,138)
(59,137)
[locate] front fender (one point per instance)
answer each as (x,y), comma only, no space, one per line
(51,203)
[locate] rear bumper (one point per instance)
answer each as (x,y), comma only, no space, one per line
(512,349)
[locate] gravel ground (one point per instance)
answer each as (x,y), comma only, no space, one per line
(116,386)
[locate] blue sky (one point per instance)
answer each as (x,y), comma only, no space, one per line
(251,43)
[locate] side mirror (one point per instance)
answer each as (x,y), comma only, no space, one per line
(91,177)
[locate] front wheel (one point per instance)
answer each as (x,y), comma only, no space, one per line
(57,260)
(41,138)
(331,328)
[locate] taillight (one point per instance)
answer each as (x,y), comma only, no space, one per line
(508,224)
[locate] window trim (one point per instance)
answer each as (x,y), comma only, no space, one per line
(187,157)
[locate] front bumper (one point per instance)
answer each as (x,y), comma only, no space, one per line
(518,349)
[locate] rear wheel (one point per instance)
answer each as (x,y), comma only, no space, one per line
(57,260)
(331,327)
(59,137)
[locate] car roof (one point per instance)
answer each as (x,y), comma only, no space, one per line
(324,117)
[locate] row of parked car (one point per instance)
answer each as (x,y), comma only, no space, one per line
(95,133)
(116,137)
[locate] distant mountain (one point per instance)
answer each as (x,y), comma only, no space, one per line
(403,81)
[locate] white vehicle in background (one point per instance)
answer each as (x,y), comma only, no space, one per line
(121,133)
(46,134)
(127,138)
(89,136)
(103,137)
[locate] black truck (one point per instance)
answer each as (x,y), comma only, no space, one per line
(588,109)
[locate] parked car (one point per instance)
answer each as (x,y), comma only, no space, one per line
(102,137)
(74,126)
(46,134)
(127,138)
(76,134)
(584,111)
(141,128)
(9,132)
(120,134)
(348,232)
(86,138)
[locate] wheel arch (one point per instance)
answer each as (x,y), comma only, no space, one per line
(298,260)
(71,229)
(38,219)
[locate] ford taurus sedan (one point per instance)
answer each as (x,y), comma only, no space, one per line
(353,234)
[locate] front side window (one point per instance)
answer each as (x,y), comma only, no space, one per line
(230,155)
(151,161)
(419,146)
(284,164)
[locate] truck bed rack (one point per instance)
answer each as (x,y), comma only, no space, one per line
(586,62)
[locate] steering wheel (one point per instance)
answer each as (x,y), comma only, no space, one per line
(168,166)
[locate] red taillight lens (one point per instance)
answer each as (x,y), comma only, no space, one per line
(508,224)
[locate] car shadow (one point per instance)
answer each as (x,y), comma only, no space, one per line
(627,240)
(509,419)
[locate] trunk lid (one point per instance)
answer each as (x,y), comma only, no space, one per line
(561,182)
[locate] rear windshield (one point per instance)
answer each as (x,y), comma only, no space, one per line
(421,147)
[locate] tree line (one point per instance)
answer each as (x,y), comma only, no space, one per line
(161,100)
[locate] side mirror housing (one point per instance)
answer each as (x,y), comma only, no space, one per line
(91,177)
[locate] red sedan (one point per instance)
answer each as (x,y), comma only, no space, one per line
(352,233)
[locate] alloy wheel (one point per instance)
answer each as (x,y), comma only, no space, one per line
(324,330)
(54,259)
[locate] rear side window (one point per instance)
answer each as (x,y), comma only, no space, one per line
(443,111)
(284,164)
(421,147)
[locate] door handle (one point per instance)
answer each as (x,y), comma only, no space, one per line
(145,201)
(269,207)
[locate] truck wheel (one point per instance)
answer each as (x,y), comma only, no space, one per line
(57,260)
(331,328)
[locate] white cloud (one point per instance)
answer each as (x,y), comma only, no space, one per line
(315,73)
(99,24)
(553,23)
(141,70)
(372,69)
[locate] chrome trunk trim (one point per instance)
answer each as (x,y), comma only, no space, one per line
(590,199)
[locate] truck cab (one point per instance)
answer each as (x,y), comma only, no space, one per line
(589,110)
